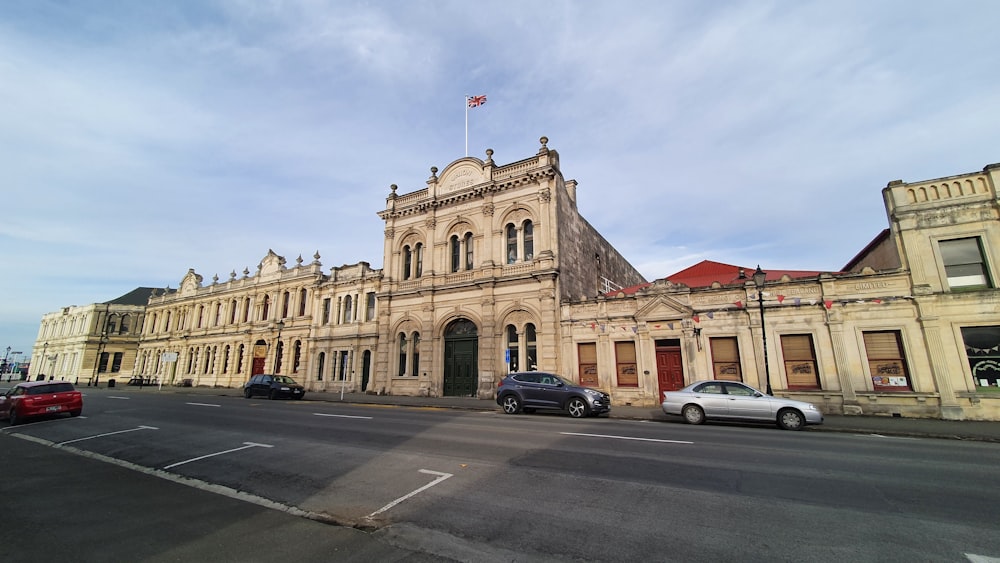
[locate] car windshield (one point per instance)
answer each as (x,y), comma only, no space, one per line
(284,379)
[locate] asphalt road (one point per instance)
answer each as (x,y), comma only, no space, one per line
(224,478)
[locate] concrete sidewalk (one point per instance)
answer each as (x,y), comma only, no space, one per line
(889,426)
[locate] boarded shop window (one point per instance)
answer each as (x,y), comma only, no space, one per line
(588,364)
(982,347)
(964,264)
(628,372)
(800,361)
(726,358)
(886,361)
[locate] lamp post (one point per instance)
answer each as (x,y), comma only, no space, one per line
(45,349)
(277,348)
(758,281)
(5,365)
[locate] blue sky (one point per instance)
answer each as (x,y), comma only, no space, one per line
(140,139)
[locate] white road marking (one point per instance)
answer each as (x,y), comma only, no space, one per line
(627,438)
(202,405)
(342,415)
(890,437)
(119,398)
(247,445)
(981,558)
(108,434)
(441,477)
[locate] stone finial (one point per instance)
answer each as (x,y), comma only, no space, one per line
(392,191)
(232,275)
(298,261)
(489,156)
(544,141)
(316,258)
(434,174)
(215,279)
(246,272)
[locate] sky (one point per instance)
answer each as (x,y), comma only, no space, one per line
(141,139)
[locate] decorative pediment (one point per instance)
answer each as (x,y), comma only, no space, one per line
(664,308)
(271,263)
(461,174)
(190,283)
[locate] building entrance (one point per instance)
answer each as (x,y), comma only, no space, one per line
(461,359)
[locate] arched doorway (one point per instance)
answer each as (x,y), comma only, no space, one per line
(366,368)
(461,359)
(259,357)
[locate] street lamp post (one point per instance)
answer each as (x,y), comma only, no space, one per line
(5,364)
(758,281)
(45,349)
(277,348)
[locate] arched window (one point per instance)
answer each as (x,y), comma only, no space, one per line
(347,309)
(511,244)
(239,359)
(303,295)
(370,313)
(529,240)
(456,253)
(233,306)
(402,354)
(420,260)
(246,309)
(265,308)
(407,262)
(415,365)
(468,251)
(512,349)
(123,329)
(279,351)
(285,298)
(296,356)
(320,363)
(218,314)
(531,352)
(201,314)
(225,360)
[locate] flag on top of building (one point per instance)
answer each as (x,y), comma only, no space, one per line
(476,101)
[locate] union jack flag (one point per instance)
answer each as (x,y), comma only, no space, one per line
(476,101)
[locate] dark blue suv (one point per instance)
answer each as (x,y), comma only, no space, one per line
(530,390)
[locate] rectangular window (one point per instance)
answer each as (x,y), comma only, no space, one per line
(326,311)
(102,365)
(964,264)
(370,309)
(800,361)
(588,364)
(886,361)
(628,371)
(982,347)
(726,358)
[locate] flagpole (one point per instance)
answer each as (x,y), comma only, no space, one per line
(466,126)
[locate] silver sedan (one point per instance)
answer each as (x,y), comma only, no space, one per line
(731,400)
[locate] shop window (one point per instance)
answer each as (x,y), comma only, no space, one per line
(628,371)
(588,364)
(726,358)
(886,361)
(964,264)
(982,347)
(343,366)
(799,356)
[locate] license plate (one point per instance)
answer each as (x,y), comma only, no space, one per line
(53,409)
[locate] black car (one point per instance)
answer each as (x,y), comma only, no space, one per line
(273,386)
(532,390)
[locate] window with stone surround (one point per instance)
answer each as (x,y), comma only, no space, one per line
(964,263)
(886,361)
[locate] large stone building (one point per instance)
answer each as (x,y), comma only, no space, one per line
(491,268)
(86,343)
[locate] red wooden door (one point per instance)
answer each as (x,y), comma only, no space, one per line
(669,373)
(258,366)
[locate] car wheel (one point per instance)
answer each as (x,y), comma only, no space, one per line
(13,418)
(577,407)
(273,395)
(511,404)
(247,393)
(791,419)
(693,414)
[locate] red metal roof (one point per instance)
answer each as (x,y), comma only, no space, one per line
(707,272)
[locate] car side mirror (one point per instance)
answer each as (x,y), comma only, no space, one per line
(758,395)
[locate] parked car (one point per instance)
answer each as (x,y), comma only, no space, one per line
(530,390)
(273,386)
(731,400)
(39,398)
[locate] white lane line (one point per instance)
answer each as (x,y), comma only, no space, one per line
(342,415)
(119,398)
(108,434)
(627,438)
(202,405)
(441,477)
(247,445)
(981,558)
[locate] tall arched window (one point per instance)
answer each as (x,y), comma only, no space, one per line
(415,364)
(420,260)
(529,240)
(511,244)
(402,353)
(285,298)
(218,314)
(123,329)
(531,351)
(233,306)
(201,315)
(320,361)
(296,356)
(407,262)
(468,251)
(370,313)
(347,309)
(456,253)
(239,359)
(303,297)
(246,309)
(512,349)
(265,309)
(225,359)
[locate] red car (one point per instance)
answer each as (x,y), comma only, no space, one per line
(38,398)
